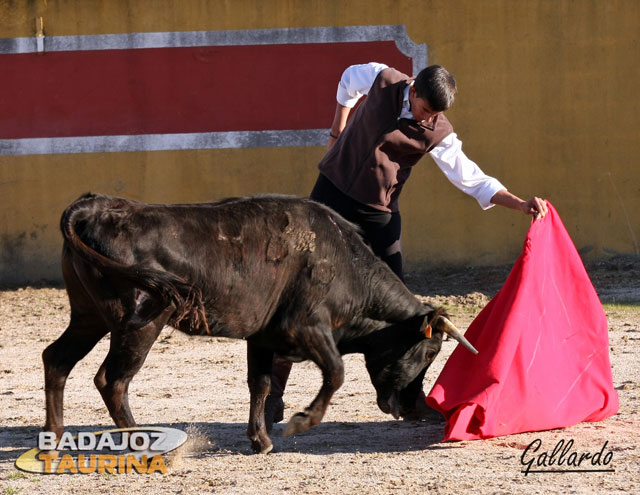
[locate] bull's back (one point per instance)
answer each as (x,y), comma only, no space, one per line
(242,256)
(246,257)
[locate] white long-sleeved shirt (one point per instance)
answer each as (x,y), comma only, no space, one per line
(462,172)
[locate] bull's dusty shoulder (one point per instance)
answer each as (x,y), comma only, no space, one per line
(297,233)
(300,239)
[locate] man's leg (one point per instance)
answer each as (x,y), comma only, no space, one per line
(382,232)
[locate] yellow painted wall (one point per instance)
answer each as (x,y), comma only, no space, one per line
(548,104)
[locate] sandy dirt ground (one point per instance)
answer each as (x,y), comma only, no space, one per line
(198,384)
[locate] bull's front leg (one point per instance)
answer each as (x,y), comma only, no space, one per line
(322,351)
(259,362)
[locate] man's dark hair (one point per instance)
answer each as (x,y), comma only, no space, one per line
(436,85)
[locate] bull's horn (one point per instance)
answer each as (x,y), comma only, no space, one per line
(446,326)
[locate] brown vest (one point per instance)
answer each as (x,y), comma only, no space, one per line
(372,158)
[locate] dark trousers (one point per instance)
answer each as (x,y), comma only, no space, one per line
(380,229)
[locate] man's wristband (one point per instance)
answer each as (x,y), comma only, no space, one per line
(332,135)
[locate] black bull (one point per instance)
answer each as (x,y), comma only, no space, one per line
(288,275)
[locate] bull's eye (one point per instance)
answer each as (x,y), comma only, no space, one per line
(430,355)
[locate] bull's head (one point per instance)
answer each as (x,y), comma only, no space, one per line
(397,370)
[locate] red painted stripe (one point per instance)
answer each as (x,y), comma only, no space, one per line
(178,90)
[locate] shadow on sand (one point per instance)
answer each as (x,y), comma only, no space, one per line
(230,438)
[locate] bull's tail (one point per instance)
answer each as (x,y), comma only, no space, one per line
(170,288)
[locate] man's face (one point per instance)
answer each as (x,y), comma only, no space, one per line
(421,109)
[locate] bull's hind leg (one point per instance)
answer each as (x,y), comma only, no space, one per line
(85,329)
(259,363)
(59,358)
(323,352)
(130,345)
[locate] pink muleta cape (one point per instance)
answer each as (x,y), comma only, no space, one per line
(543,345)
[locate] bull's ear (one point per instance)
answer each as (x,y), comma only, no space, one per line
(431,320)
(427,331)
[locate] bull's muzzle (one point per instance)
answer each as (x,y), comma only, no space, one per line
(391,405)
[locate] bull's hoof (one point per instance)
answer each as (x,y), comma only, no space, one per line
(297,424)
(58,430)
(261,447)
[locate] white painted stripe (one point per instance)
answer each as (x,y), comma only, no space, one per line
(337,34)
(163,142)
